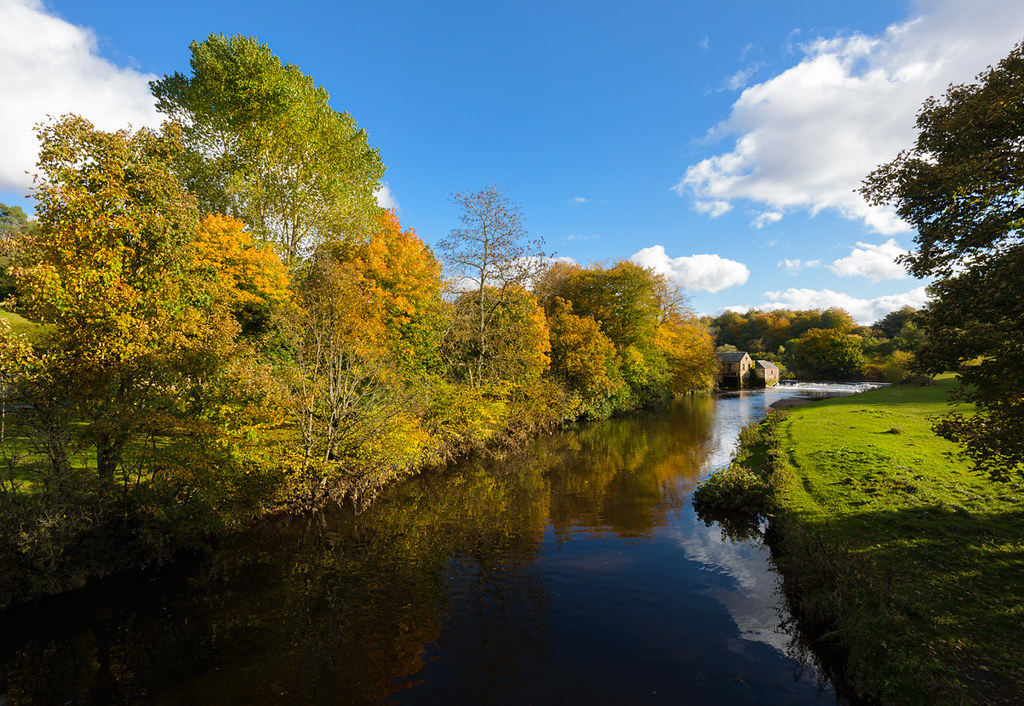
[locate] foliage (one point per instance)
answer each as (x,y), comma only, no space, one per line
(246,277)
(625,299)
(264,145)
(357,422)
(768,330)
(892,323)
(491,256)
(689,350)
(584,360)
(828,353)
(405,277)
(960,187)
(514,346)
(16,231)
(108,273)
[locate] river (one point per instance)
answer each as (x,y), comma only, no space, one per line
(574,573)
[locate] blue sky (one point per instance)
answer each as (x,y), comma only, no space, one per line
(719,143)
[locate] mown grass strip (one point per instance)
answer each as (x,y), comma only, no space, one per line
(895,554)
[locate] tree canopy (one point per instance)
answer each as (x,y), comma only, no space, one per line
(263,144)
(961,186)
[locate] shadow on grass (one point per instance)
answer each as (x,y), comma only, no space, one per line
(922,603)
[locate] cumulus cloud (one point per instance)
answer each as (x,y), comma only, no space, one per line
(805,138)
(794,266)
(386,197)
(708,273)
(712,208)
(49,67)
(876,262)
(864,311)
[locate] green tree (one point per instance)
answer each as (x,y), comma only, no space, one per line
(892,323)
(961,186)
(264,145)
(16,230)
(828,353)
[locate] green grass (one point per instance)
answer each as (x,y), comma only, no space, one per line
(898,554)
(19,324)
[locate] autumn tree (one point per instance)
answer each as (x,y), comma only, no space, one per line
(489,256)
(264,145)
(584,359)
(405,278)
(625,299)
(960,186)
(357,423)
(108,273)
(247,276)
(689,349)
(516,343)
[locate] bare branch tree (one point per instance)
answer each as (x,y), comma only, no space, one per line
(490,253)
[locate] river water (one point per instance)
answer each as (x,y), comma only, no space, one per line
(575,573)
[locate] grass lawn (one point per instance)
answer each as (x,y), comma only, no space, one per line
(19,324)
(906,559)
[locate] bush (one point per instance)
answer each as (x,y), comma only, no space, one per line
(732,489)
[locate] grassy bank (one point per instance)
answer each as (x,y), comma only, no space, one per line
(893,553)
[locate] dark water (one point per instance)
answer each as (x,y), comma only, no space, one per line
(577,573)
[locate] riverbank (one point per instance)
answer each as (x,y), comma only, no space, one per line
(893,553)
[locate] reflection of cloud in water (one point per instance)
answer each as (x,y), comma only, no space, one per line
(736,411)
(750,596)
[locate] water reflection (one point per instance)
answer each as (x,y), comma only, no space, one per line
(576,572)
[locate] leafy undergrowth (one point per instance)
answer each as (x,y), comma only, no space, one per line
(896,555)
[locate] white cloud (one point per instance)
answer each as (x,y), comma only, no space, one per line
(386,197)
(877,262)
(807,137)
(49,67)
(577,200)
(864,311)
(712,208)
(576,236)
(767,218)
(741,79)
(794,266)
(708,273)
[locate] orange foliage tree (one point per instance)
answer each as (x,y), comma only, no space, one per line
(402,274)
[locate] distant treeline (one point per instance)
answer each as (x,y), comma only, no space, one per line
(824,343)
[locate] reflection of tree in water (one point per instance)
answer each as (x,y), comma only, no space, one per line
(295,612)
(435,583)
(627,474)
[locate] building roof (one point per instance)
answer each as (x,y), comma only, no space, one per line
(765,364)
(732,356)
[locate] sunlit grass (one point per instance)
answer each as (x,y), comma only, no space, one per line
(921,558)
